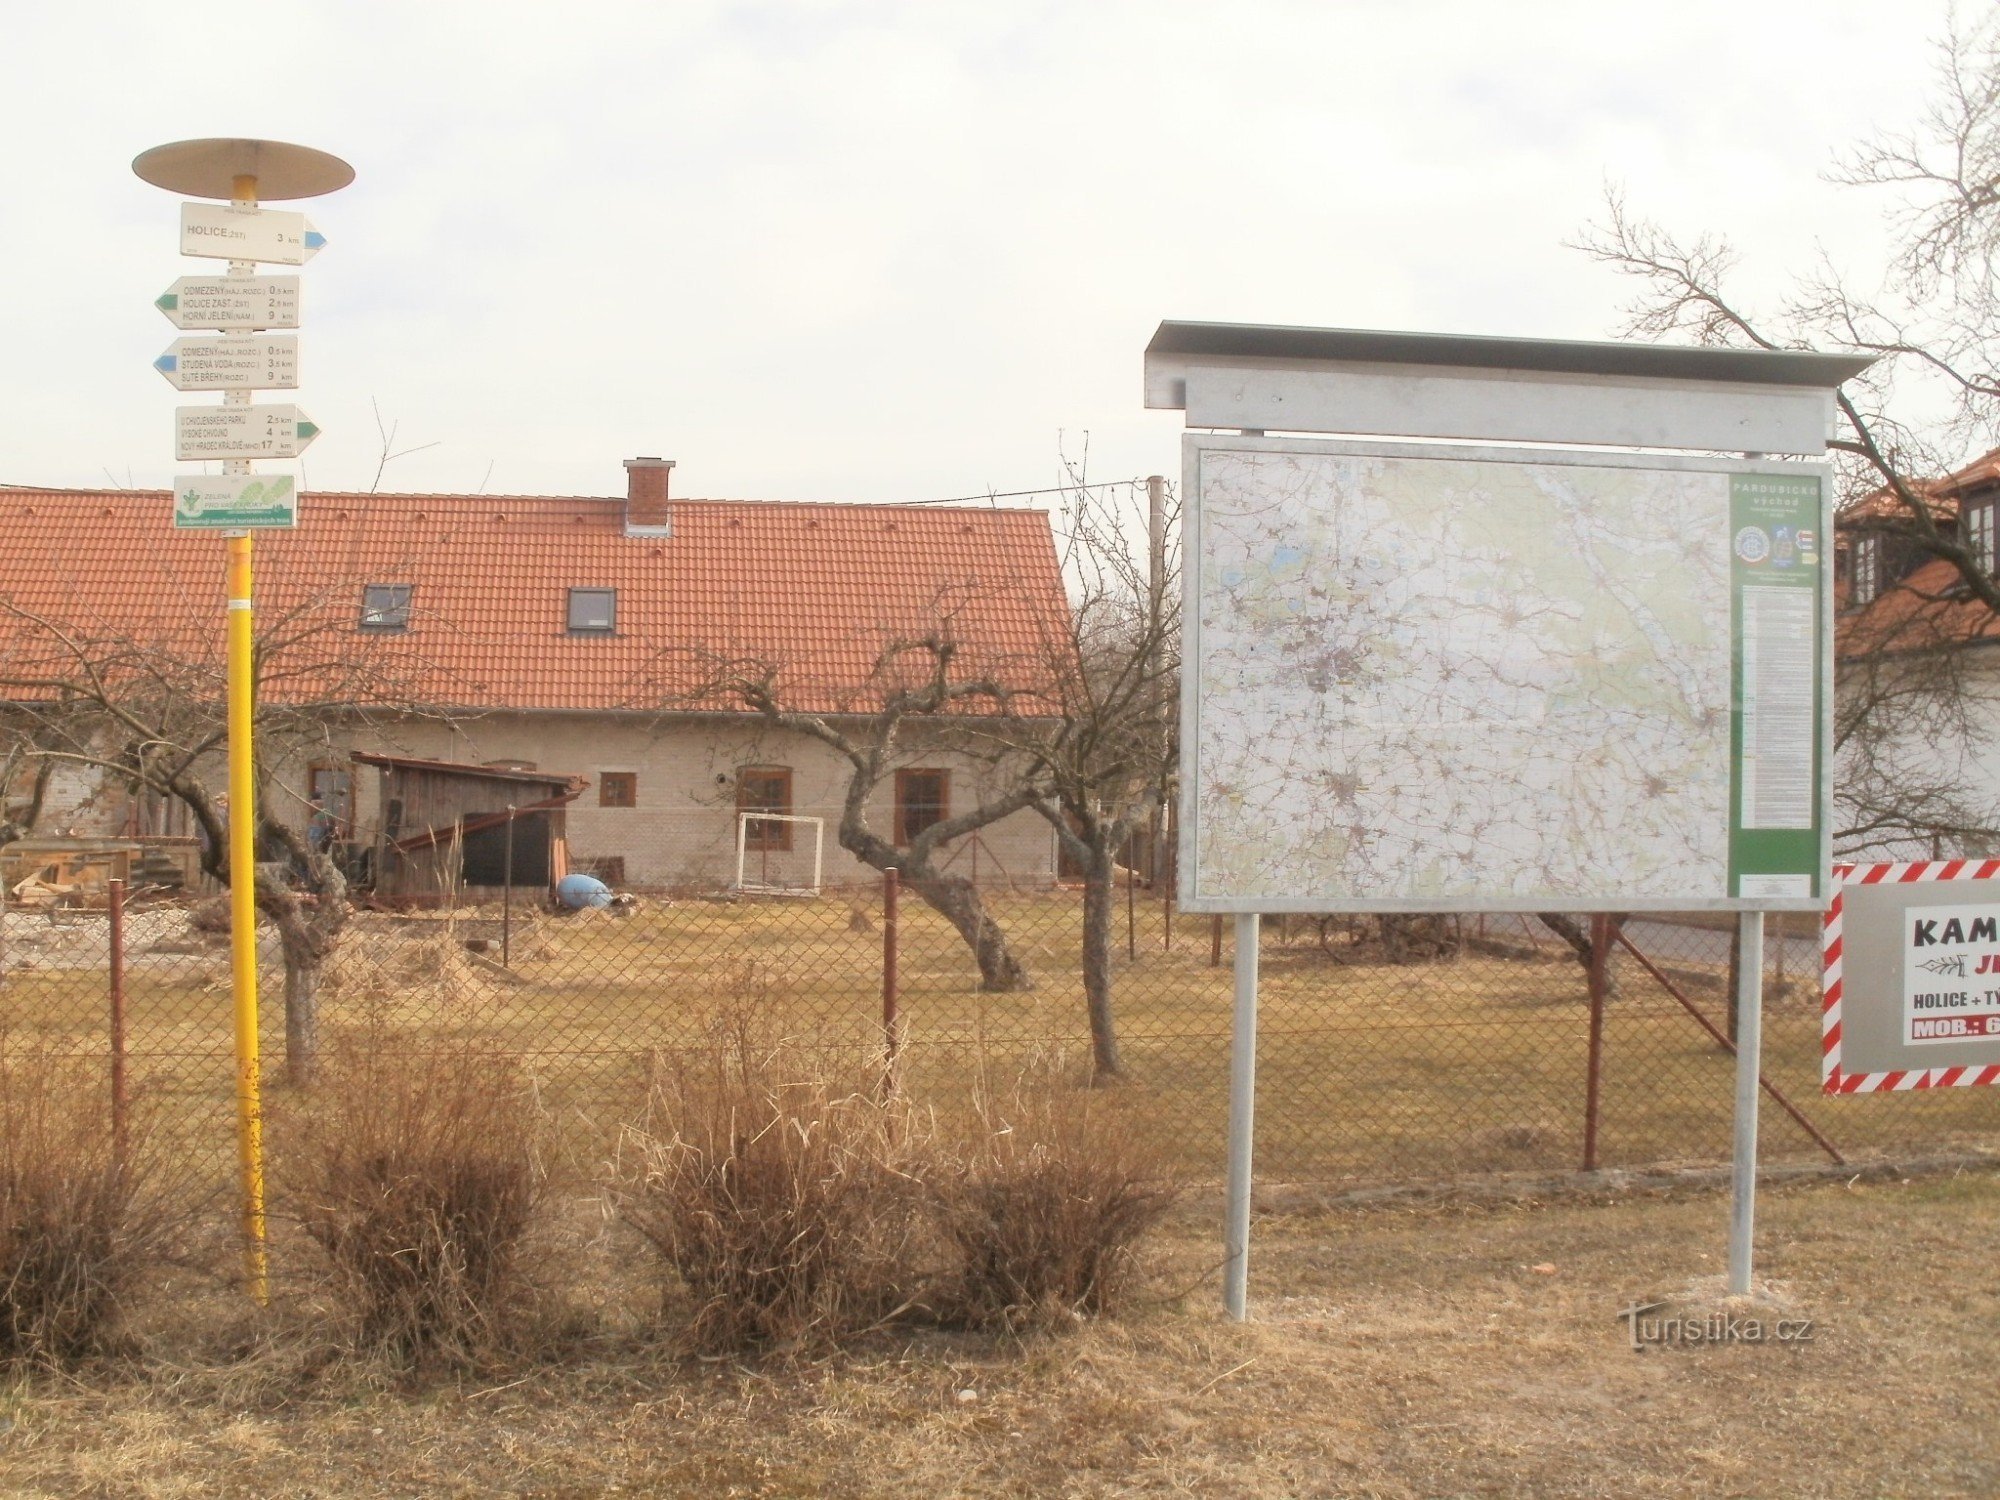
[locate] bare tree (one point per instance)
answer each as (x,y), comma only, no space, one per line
(151,712)
(1932,397)
(1102,749)
(917,681)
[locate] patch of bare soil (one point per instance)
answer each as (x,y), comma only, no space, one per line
(1440,1349)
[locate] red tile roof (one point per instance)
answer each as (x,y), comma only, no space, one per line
(1928,607)
(816,590)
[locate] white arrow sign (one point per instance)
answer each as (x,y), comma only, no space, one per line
(241,432)
(206,502)
(245,363)
(227,232)
(233,302)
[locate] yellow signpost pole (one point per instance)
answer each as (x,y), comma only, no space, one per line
(237,169)
(243,914)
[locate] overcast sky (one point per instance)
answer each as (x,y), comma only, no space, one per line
(838,250)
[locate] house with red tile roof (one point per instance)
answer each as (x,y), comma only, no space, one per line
(586,636)
(1919,683)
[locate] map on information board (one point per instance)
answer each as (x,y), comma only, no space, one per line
(1517,680)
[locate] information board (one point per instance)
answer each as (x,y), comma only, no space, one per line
(1442,678)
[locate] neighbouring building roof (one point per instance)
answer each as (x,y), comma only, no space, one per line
(1923,602)
(814,590)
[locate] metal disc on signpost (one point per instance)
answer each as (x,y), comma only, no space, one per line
(210,168)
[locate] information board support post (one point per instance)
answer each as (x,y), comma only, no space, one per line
(1749,1049)
(1242,1105)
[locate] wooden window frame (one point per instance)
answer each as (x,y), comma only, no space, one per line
(940,808)
(629,780)
(759,834)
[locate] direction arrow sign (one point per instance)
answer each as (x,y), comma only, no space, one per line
(241,432)
(233,302)
(230,233)
(233,501)
(244,363)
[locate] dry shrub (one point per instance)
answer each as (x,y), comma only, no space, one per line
(1045,1208)
(78,1224)
(774,1188)
(416,1174)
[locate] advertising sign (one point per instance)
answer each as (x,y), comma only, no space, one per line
(234,502)
(1912,976)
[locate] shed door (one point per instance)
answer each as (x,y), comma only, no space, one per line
(486,853)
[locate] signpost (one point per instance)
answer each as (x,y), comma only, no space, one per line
(241,432)
(232,362)
(233,502)
(239,231)
(231,302)
(235,229)
(1420,677)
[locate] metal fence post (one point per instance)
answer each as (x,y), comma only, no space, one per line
(891,1022)
(507,896)
(116,944)
(1131,905)
(1600,956)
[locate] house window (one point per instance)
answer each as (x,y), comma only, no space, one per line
(593,611)
(1979,536)
(385,606)
(618,789)
(1865,577)
(765,789)
(922,798)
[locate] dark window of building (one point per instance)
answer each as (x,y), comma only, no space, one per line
(923,797)
(765,789)
(385,606)
(1979,535)
(593,611)
(618,789)
(1864,579)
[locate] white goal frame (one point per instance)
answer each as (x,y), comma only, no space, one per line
(743,852)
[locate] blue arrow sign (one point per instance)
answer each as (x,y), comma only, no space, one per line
(166,364)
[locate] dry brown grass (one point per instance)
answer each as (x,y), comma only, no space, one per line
(78,1223)
(1451,1350)
(416,1176)
(1045,1207)
(774,1190)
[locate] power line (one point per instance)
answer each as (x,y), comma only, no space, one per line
(1060,489)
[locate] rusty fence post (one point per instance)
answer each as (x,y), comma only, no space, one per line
(507,896)
(1215,942)
(891,1022)
(1131,905)
(116,944)
(1600,958)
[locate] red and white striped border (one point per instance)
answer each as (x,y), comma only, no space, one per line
(1832,1079)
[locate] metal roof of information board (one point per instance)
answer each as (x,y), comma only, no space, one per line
(1185,343)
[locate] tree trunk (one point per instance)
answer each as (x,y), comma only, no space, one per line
(302,1020)
(957,900)
(1100,889)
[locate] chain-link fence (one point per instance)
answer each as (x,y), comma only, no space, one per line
(1392,1050)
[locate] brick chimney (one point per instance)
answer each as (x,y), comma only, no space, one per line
(646,510)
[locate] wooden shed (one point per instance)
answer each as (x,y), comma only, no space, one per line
(453,829)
